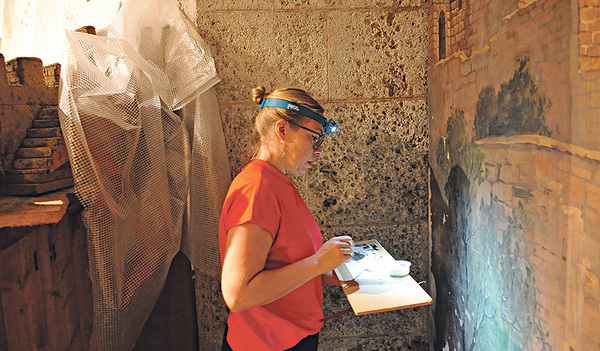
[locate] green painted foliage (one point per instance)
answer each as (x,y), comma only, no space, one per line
(518,108)
(457,150)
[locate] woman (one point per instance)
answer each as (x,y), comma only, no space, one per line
(272,252)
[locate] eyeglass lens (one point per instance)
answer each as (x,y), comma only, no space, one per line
(318,137)
(318,140)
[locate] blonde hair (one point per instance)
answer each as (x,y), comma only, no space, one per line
(268,115)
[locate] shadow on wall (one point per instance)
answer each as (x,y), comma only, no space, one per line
(485,288)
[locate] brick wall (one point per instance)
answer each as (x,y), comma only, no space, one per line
(514,218)
(589,35)
(557,186)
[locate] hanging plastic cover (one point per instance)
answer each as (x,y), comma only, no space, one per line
(141,122)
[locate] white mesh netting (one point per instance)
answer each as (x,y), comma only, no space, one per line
(151,180)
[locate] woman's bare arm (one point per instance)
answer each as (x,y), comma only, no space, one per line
(246,284)
(330,278)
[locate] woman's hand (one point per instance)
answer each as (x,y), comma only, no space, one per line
(334,252)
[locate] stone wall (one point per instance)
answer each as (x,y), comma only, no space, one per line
(513,111)
(365,61)
(33,158)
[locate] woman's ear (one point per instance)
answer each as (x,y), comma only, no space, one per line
(280,128)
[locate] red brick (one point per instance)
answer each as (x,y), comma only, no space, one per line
(585,63)
(585,38)
(593,196)
(581,172)
(592,223)
(574,189)
(549,3)
(594,51)
(595,100)
(582,100)
(583,50)
(590,86)
(596,63)
(586,14)
(592,2)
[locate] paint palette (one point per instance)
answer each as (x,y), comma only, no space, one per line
(368,285)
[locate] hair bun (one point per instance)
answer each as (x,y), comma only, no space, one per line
(258,94)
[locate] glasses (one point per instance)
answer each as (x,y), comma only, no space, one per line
(317,137)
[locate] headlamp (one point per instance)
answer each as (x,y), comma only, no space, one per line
(329,126)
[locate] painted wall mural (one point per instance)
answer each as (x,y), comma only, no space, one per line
(515,177)
(489,288)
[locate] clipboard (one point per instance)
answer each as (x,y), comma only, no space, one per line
(369,287)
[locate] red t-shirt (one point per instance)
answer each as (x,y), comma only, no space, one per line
(262,195)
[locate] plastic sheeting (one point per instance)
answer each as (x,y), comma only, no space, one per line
(141,123)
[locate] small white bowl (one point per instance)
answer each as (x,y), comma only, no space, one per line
(399,268)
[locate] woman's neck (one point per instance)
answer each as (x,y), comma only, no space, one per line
(274,160)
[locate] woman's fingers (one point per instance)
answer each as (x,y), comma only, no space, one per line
(346,245)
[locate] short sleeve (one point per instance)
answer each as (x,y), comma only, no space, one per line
(254,203)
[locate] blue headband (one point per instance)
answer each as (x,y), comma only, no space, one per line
(329,127)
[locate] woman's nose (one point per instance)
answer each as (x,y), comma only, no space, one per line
(318,151)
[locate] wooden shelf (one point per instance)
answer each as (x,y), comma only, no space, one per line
(368,286)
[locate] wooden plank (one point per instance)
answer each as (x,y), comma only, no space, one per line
(22,296)
(45,291)
(83,283)
(369,287)
(59,286)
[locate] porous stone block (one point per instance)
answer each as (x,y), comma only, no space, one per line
(45,123)
(52,74)
(247,54)
(32,163)
(407,242)
(238,123)
(43,132)
(37,188)
(28,95)
(48,113)
(398,341)
(34,152)
(15,119)
(219,5)
(212,308)
(3,80)
(375,168)
(377,54)
(31,176)
(25,71)
(35,142)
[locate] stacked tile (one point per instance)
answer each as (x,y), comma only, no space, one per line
(41,163)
